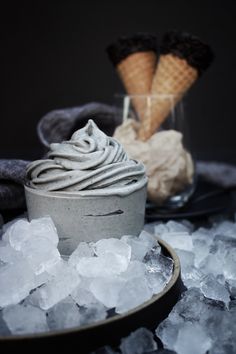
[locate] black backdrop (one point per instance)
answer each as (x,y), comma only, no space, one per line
(53,56)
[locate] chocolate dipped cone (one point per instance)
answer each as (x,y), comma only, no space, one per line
(182,60)
(135,61)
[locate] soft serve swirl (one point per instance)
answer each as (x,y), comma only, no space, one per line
(91,163)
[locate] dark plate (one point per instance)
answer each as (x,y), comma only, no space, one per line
(207,199)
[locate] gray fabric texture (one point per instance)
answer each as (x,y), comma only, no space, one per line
(59,125)
(12,178)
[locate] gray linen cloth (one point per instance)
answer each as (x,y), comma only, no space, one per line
(58,125)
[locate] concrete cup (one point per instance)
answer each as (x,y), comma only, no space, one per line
(88,218)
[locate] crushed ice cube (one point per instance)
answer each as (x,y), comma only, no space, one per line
(135,292)
(174,226)
(22,230)
(58,288)
(16,281)
(212,289)
(157,263)
(83,250)
(108,265)
(41,254)
(9,254)
(107,290)
(64,314)
(92,313)
(82,294)
(192,338)
(135,269)
(112,245)
(138,342)
(179,240)
(231,285)
(22,319)
(138,249)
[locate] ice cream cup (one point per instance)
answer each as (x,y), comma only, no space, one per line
(88,218)
(90,188)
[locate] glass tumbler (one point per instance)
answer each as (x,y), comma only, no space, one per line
(160,139)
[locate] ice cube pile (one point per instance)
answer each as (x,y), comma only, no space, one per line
(42,290)
(204,319)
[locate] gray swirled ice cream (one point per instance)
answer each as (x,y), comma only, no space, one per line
(90,163)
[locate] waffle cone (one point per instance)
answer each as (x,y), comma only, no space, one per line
(136,72)
(173,77)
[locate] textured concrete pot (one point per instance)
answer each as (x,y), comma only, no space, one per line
(111,330)
(88,218)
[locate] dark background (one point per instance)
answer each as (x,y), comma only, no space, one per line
(53,56)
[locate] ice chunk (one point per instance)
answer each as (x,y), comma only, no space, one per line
(44,227)
(17,233)
(201,249)
(160,229)
(158,270)
(157,263)
(231,285)
(226,228)
(222,330)
(192,338)
(107,290)
(191,307)
(174,226)
(41,254)
(212,289)
(135,292)
(212,264)
(21,231)
(9,254)
(16,281)
(138,342)
(179,240)
(229,265)
(156,282)
(107,265)
(149,240)
(142,245)
(114,246)
(82,294)
(22,319)
(135,269)
(92,313)
(4,330)
(191,276)
(167,331)
(138,248)
(58,288)
(83,250)
(64,314)
(36,241)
